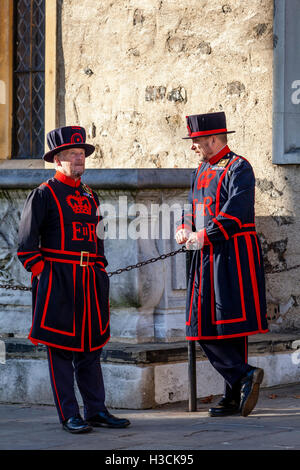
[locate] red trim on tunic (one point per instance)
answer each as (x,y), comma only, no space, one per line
(243,234)
(89,309)
(221,228)
(212,290)
(258,254)
(220,184)
(37,288)
(61,218)
(58,260)
(37,341)
(213,316)
(62,332)
(199,294)
(191,301)
(238,264)
(232,218)
(253,278)
(20,253)
(98,216)
(97,304)
(248,333)
(84,310)
(64,252)
(47,296)
(30,259)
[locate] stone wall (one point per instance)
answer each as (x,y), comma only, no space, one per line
(130,73)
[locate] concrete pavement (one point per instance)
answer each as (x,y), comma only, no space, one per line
(273,425)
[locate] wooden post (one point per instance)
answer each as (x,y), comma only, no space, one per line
(50,68)
(6,77)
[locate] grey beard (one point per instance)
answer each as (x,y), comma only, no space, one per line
(78,174)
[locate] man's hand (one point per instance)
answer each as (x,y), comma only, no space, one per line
(195,241)
(182,235)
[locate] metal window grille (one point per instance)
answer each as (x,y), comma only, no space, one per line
(28,79)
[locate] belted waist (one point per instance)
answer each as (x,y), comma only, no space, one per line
(83,258)
(247,228)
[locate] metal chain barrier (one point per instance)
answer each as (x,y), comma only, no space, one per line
(139,265)
(118,271)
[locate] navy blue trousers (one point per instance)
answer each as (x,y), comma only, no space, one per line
(230,358)
(86,367)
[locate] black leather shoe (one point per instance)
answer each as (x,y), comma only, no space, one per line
(104,418)
(250,390)
(225,407)
(76,425)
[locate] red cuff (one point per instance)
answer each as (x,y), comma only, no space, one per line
(37,268)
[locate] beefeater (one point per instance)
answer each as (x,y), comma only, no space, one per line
(226,286)
(58,244)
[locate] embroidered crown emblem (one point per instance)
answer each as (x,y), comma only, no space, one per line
(79,204)
(205,178)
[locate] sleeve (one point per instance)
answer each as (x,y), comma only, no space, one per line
(187,219)
(239,207)
(32,219)
(101,259)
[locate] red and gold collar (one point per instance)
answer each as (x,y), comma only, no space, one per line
(67,180)
(219,155)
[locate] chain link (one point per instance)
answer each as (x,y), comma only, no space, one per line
(144,263)
(148,261)
(8,286)
(118,271)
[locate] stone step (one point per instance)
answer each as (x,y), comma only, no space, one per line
(140,376)
(151,353)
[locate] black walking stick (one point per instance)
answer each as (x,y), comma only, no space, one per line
(192,378)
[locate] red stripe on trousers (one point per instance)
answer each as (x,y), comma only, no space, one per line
(54,383)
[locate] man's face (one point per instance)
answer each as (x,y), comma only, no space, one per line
(204,147)
(71,162)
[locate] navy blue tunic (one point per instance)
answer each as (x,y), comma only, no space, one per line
(57,239)
(226,286)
